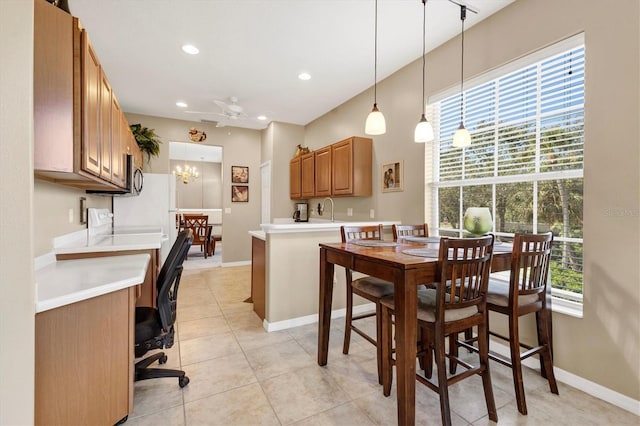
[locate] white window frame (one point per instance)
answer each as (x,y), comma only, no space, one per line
(566,302)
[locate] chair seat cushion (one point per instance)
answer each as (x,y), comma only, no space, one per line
(374,287)
(147,324)
(427,307)
(498,294)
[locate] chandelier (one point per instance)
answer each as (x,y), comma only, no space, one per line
(186,173)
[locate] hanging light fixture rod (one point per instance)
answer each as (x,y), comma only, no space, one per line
(467,7)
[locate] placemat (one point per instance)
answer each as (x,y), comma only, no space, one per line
(424,240)
(373,243)
(422,252)
(500,247)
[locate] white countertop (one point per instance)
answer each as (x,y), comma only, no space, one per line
(69,281)
(133,238)
(258,234)
(316,225)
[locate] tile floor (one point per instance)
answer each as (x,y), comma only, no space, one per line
(241,375)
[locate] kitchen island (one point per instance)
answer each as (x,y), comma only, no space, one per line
(290,279)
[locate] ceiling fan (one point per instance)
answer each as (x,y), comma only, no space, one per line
(230,110)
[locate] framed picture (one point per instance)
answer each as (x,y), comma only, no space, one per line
(239,174)
(392,178)
(240,193)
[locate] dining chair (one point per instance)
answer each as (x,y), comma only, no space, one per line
(421,230)
(525,293)
(370,288)
(199,225)
(449,309)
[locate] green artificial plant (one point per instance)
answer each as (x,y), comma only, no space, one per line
(147,140)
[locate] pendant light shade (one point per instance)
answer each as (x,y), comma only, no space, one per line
(424,129)
(375,124)
(462,137)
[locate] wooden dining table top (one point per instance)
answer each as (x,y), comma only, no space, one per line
(392,262)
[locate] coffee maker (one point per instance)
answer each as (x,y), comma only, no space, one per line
(301,212)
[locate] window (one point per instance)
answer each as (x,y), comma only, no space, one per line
(526,158)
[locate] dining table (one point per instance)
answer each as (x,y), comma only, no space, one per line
(406,263)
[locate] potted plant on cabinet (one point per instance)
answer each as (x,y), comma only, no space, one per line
(147,140)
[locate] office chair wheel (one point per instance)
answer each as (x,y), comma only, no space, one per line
(162,359)
(183,381)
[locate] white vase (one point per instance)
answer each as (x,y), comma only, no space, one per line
(477,220)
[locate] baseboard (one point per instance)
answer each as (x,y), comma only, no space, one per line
(232,264)
(593,389)
(311,319)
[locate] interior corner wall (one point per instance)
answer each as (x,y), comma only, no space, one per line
(602,347)
(17,304)
(286,137)
(240,147)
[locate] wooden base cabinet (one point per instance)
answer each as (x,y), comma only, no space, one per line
(84,361)
(258,276)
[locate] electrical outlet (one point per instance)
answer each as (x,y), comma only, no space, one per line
(70,215)
(349,211)
(372,213)
(227,210)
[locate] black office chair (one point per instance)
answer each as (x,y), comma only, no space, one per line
(154,327)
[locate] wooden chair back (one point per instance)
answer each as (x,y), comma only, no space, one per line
(372,232)
(199,225)
(463,273)
(530,264)
(421,230)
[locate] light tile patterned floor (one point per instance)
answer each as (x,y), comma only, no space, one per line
(241,375)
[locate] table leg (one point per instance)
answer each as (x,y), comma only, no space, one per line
(324,310)
(405,295)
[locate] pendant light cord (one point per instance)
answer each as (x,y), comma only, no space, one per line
(463,15)
(424,24)
(375,58)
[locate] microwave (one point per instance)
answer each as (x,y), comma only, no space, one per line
(135,181)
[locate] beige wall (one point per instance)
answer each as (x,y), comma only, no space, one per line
(240,147)
(17,304)
(285,139)
(604,346)
(202,193)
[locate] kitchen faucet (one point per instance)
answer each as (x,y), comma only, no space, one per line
(321,207)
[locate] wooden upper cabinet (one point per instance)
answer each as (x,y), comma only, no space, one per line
(106,134)
(53,94)
(323,172)
(307,174)
(118,138)
(351,167)
(91,108)
(295,178)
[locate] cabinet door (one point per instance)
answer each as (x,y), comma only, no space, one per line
(323,172)
(105,128)
(308,175)
(342,167)
(92,89)
(295,178)
(118,165)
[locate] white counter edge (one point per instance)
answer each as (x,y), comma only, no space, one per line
(280,228)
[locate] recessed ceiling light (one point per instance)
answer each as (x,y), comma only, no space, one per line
(304,76)
(181,104)
(190,49)
(261,117)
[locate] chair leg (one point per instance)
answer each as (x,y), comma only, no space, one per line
(545,341)
(443,390)
(483,352)
(378,339)
(453,351)
(347,321)
(516,363)
(386,345)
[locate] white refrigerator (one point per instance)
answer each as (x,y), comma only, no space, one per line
(154,207)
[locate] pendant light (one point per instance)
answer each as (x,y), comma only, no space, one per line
(375,124)
(424,129)
(461,137)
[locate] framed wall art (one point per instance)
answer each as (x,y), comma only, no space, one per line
(239,174)
(392,177)
(240,193)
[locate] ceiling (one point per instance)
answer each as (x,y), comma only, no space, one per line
(254,50)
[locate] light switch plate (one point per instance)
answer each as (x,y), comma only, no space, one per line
(227,210)
(349,211)
(372,213)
